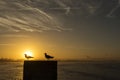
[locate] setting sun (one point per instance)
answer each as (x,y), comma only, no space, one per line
(29,53)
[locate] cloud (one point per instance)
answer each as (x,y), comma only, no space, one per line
(13,35)
(19,16)
(40,15)
(63,6)
(6,44)
(114,10)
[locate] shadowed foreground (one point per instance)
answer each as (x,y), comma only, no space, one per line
(40,70)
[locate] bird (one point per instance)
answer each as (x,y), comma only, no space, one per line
(28,57)
(48,56)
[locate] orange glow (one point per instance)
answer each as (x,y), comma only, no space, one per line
(29,53)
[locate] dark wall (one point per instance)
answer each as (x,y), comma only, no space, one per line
(40,70)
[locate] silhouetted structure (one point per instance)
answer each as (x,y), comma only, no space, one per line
(40,70)
(28,57)
(48,56)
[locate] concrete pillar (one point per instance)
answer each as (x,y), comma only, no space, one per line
(40,70)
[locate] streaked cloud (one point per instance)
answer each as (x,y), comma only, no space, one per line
(17,16)
(114,10)
(40,15)
(6,44)
(14,35)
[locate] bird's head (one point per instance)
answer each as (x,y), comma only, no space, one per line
(25,54)
(45,53)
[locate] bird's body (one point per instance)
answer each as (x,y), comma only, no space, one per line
(28,57)
(48,56)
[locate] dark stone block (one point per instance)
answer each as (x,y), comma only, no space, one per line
(40,70)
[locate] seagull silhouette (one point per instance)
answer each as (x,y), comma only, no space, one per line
(48,56)
(28,57)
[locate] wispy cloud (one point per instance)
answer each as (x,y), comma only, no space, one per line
(6,44)
(19,16)
(13,35)
(63,6)
(36,15)
(111,14)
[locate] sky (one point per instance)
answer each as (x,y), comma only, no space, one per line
(66,29)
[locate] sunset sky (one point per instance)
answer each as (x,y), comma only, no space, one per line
(66,29)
